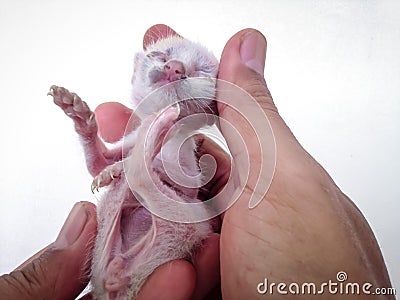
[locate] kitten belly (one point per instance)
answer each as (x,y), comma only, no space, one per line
(131,241)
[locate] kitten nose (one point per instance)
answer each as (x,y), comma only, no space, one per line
(175,70)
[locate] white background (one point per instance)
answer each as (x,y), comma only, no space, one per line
(333,68)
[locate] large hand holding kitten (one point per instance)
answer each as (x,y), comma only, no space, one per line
(304,230)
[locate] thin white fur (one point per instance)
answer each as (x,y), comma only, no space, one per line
(165,240)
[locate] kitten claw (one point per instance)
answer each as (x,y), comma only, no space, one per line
(94,186)
(77,109)
(70,102)
(107,176)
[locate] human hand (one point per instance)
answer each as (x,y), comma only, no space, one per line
(305,229)
(59,271)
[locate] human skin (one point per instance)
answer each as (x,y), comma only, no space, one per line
(304,230)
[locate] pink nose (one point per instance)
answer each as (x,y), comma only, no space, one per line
(175,70)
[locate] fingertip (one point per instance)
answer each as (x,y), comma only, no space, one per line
(246,48)
(90,207)
(253,51)
(242,63)
(174,280)
(112,118)
(90,230)
(156,32)
(207,267)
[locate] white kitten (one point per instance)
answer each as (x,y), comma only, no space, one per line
(131,241)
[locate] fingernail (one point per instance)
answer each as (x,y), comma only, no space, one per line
(253,50)
(73,226)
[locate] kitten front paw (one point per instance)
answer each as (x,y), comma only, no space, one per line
(76,109)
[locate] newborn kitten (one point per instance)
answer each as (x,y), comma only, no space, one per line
(132,241)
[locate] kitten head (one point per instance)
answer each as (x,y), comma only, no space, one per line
(174,60)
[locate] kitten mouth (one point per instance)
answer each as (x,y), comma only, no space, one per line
(160,77)
(172,70)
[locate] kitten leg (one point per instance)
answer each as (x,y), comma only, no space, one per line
(106,176)
(96,154)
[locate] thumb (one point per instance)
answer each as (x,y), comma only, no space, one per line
(248,111)
(242,63)
(60,271)
(253,135)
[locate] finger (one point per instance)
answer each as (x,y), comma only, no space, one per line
(112,118)
(206,264)
(233,69)
(156,32)
(174,280)
(207,146)
(242,63)
(62,271)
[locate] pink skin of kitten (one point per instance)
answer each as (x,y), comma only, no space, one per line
(131,242)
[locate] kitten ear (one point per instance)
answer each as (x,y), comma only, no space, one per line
(156,32)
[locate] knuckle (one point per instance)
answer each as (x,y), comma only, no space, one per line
(25,283)
(258,89)
(31,281)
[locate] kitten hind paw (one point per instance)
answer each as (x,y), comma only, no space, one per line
(107,176)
